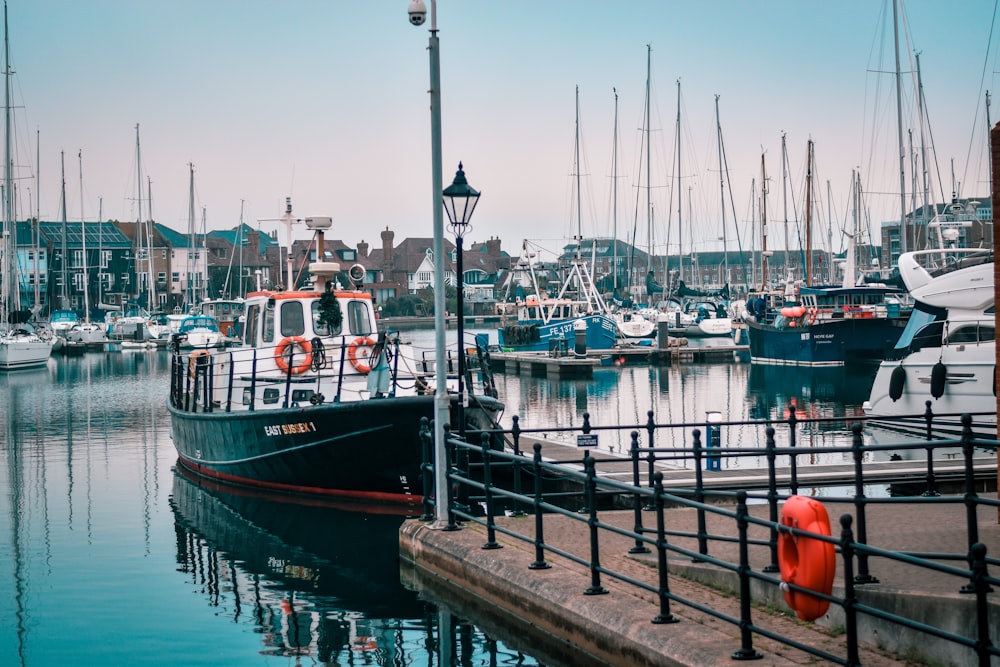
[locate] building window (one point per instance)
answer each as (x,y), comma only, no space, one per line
(105,258)
(125,279)
(161,277)
(78,259)
(175,277)
(424,277)
(163,254)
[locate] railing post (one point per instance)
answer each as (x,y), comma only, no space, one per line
(638,547)
(970,498)
(663,589)
(850,600)
(772,499)
(449,450)
(699,495)
(793,463)
(426,470)
(491,527)
(516,435)
(931,481)
(863,576)
(747,651)
(232,373)
(977,558)
(539,563)
(595,552)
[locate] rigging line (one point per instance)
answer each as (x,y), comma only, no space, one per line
(982,79)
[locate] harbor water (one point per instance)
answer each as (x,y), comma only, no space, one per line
(109,556)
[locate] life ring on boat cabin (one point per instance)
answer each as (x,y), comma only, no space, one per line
(812,316)
(896,383)
(806,561)
(282,359)
(939,377)
(359,351)
(193,362)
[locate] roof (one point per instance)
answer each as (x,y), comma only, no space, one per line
(99,235)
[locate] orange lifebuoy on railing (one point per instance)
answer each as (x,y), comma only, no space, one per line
(193,361)
(282,359)
(359,351)
(812,316)
(806,561)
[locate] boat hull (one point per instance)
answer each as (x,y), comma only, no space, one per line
(17,353)
(601,334)
(829,343)
(358,449)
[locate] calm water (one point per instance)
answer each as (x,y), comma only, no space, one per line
(108,556)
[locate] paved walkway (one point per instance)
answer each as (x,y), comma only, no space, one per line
(623,618)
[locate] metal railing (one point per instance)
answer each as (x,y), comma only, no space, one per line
(516,484)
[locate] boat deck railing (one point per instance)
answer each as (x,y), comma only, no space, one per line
(595,491)
(310,371)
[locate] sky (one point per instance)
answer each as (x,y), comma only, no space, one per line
(326,102)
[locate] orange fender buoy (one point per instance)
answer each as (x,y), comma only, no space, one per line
(806,561)
(282,354)
(358,352)
(193,361)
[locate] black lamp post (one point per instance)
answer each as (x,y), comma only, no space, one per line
(459,202)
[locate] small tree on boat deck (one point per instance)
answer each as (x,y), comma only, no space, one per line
(330,315)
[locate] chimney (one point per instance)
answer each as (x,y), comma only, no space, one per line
(387,237)
(493,247)
(362,251)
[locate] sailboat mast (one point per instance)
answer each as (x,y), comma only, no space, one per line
(9,242)
(809,174)
(763,224)
(64,262)
(680,233)
(899,128)
(35,234)
(150,285)
(576,168)
(649,201)
(191,238)
(614,200)
(140,246)
(722,192)
(83,241)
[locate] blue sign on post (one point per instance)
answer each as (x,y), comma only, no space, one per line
(713,440)
(586,440)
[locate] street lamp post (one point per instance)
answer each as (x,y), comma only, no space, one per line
(418,14)
(459,202)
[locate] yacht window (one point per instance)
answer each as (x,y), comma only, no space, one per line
(250,336)
(292,321)
(971,333)
(323,329)
(929,336)
(357,318)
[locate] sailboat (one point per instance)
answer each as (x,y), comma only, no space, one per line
(85,334)
(829,325)
(547,323)
(21,346)
(630,323)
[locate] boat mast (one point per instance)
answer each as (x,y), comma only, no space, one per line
(722,192)
(83,241)
(680,233)
(809,175)
(35,234)
(9,243)
(649,201)
(64,263)
(140,248)
(899,129)
(614,201)
(191,241)
(150,285)
(763,224)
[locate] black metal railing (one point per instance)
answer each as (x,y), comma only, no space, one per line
(514,483)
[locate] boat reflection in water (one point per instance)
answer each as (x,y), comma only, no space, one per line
(315,579)
(822,392)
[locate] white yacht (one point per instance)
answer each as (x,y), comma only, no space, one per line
(946,355)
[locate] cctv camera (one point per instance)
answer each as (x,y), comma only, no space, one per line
(417,12)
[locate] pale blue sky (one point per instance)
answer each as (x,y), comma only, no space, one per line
(326,102)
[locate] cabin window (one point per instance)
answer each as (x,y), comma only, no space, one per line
(250,335)
(318,327)
(292,321)
(971,333)
(357,318)
(267,331)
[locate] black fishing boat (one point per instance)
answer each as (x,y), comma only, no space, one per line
(314,399)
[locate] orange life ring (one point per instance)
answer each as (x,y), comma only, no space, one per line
(806,561)
(812,316)
(286,342)
(360,363)
(193,362)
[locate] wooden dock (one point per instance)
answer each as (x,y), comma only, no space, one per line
(568,364)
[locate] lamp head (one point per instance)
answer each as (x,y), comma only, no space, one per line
(460,201)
